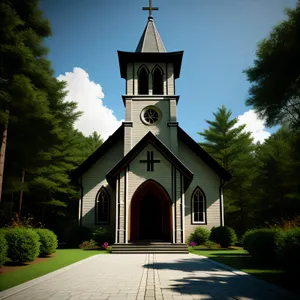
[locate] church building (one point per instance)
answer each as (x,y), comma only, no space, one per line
(150,181)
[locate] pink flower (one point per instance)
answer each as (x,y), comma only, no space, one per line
(105,245)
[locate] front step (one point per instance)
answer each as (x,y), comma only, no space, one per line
(135,248)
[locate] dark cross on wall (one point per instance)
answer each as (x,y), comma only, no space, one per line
(150,161)
(150,8)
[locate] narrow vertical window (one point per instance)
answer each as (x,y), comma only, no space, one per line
(198,207)
(157,82)
(102,207)
(143,81)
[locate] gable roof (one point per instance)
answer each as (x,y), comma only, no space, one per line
(150,40)
(149,138)
(203,155)
(111,141)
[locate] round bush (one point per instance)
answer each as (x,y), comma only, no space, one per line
(199,236)
(75,235)
(223,235)
(289,249)
(3,250)
(262,243)
(48,241)
(23,244)
(102,235)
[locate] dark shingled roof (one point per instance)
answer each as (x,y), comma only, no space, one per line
(194,146)
(150,40)
(150,138)
(106,146)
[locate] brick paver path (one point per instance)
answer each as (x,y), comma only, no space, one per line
(148,276)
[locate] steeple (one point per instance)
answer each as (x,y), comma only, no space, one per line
(150,40)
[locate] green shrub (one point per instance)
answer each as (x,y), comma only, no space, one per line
(199,236)
(289,249)
(75,235)
(3,250)
(23,244)
(262,243)
(48,241)
(223,235)
(89,245)
(102,235)
(211,245)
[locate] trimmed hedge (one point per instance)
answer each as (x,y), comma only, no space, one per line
(199,236)
(48,241)
(289,250)
(23,244)
(75,235)
(262,243)
(3,250)
(223,235)
(102,235)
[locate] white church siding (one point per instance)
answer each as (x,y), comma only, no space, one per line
(208,181)
(161,130)
(93,179)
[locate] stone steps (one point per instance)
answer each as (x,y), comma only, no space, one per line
(135,248)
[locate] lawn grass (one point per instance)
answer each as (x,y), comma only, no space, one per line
(240,259)
(63,257)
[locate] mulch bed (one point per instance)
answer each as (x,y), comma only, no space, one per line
(9,267)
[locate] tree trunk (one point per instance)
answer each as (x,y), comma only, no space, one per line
(21,192)
(2,153)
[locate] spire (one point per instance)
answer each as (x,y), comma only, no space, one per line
(150,40)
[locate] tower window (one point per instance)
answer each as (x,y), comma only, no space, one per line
(143,82)
(157,82)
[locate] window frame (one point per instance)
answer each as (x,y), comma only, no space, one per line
(204,207)
(97,222)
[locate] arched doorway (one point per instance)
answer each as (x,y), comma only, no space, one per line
(150,213)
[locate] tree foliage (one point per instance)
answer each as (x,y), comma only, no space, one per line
(275,76)
(41,136)
(233,148)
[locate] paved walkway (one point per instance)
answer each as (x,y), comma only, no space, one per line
(148,277)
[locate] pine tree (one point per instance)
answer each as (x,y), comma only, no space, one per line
(233,148)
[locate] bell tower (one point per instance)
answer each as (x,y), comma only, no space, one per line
(150,100)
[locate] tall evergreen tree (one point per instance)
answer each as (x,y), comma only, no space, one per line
(233,148)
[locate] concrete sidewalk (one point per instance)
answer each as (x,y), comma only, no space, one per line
(145,276)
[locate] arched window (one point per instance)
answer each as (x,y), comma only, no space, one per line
(157,82)
(143,81)
(198,207)
(102,207)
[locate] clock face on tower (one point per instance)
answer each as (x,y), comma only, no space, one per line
(151,115)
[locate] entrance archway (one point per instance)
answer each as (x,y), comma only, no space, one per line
(150,213)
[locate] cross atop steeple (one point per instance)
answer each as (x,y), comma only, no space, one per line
(150,8)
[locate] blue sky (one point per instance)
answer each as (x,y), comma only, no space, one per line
(219,39)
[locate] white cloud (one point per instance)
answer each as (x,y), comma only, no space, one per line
(88,95)
(253,124)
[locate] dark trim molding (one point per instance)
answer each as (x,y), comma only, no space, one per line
(175,204)
(149,97)
(181,209)
(119,205)
(81,202)
(127,124)
(192,206)
(125,205)
(172,124)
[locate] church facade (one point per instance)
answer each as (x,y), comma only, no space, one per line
(150,180)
